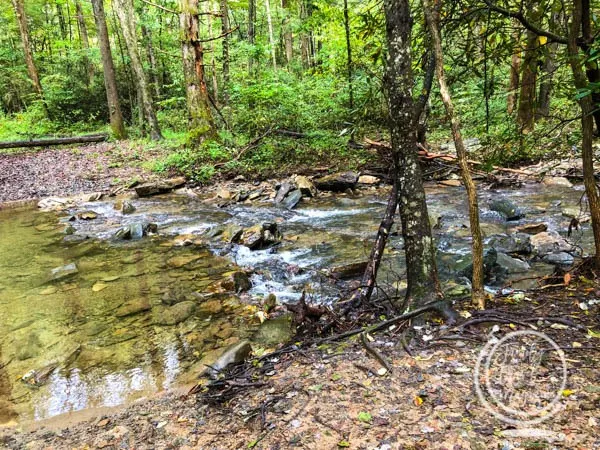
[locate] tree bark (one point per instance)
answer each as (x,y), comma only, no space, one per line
(200,121)
(478,293)
(271,36)
(545,94)
(251,32)
(225,45)
(213,61)
(305,37)
(54,141)
(85,41)
(587,120)
(24,33)
(288,39)
(527,96)
(421,270)
(515,72)
(110,81)
(126,14)
(147,35)
(348,53)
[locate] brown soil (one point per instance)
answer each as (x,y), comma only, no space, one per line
(331,397)
(69,171)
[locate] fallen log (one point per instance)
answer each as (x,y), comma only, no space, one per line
(55,141)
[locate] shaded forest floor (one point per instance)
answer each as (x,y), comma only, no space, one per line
(331,396)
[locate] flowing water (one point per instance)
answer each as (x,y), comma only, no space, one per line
(82,316)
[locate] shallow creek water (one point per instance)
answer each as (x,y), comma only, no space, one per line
(76,332)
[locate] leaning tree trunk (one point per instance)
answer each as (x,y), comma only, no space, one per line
(110,81)
(29,62)
(421,270)
(85,42)
(200,121)
(587,125)
(478,293)
(126,16)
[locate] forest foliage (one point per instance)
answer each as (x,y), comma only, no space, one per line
(295,74)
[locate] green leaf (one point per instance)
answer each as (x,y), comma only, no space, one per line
(365,417)
(343,444)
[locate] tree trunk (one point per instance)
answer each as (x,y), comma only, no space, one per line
(213,61)
(515,72)
(421,270)
(305,38)
(147,35)
(348,53)
(288,39)
(421,107)
(527,97)
(271,36)
(200,121)
(592,69)
(85,41)
(251,32)
(126,16)
(587,120)
(24,32)
(545,93)
(110,81)
(478,293)
(225,32)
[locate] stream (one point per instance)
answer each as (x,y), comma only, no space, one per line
(87,320)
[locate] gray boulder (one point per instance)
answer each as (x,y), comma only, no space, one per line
(337,182)
(507,208)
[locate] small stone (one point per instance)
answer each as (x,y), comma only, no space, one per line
(368,179)
(99,286)
(306,187)
(450,183)
(87,215)
(557,181)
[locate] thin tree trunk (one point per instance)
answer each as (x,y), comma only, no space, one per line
(251,32)
(348,53)
(85,41)
(545,93)
(200,121)
(527,97)
(515,71)
(478,293)
(110,81)
(421,109)
(592,68)
(126,14)
(288,39)
(271,36)
(587,120)
(305,38)
(213,61)
(421,270)
(29,62)
(147,35)
(225,45)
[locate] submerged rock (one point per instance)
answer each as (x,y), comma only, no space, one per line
(172,315)
(159,187)
(260,236)
(136,231)
(66,271)
(507,208)
(337,182)
(132,307)
(124,207)
(237,282)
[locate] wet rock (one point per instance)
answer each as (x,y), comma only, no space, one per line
(532,228)
(182,260)
(63,272)
(87,215)
(230,233)
(269,302)
(283,190)
(450,183)
(220,359)
(559,259)
(516,243)
(452,289)
(368,179)
(225,194)
(557,181)
(39,377)
(306,187)
(55,204)
(29,347)
(135,231)
(550,242)
(261,236)
(210,307)
(292,199)
(132,307)
(507,208)
(512,265)
(124,207)
(94,197)
(347,271)
(172,315)
(337,182)
(275,331)
(575,212)
(493,272)
(237,282)
(159,187)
